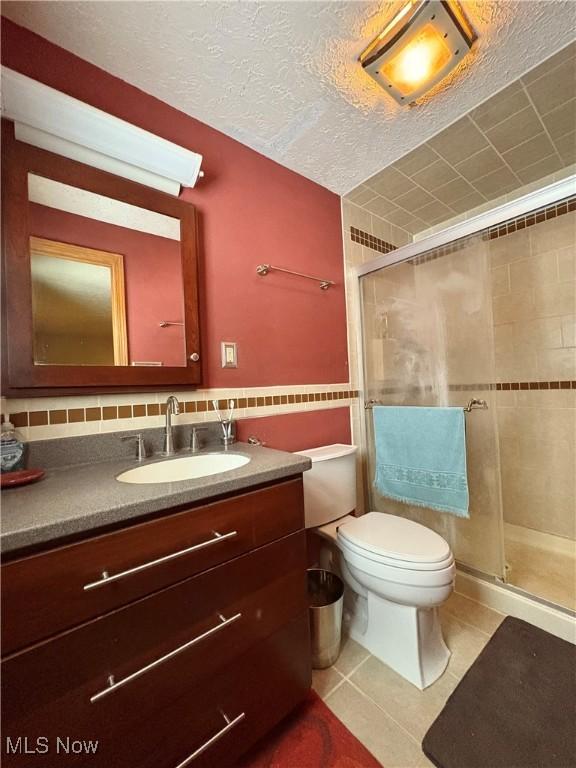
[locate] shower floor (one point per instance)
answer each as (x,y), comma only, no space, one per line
(541,564)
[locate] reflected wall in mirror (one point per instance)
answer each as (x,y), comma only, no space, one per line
(107,283)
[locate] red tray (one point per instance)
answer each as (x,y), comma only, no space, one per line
(22,477)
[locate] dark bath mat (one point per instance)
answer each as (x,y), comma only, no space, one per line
(514,708)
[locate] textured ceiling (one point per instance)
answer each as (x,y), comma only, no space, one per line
(518,136)
(283,77)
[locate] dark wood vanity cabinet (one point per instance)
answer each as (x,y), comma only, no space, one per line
(188,665)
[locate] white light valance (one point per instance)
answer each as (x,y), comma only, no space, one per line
(51,120)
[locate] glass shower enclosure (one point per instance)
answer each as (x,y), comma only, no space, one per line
(473,317)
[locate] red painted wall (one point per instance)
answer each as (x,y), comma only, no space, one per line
(299,431)
(152,272)
(251,210)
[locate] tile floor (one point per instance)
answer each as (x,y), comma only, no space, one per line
(385,712)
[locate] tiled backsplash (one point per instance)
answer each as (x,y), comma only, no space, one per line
(41,418)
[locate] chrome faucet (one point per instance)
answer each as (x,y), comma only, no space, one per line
(172,408)
(140,445)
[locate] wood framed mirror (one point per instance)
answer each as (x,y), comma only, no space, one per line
(100,287)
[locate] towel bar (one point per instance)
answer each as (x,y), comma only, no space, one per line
(263,270)
(472,404)
(475,403)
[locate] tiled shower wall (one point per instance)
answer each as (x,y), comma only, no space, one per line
(534,306)
(511,341)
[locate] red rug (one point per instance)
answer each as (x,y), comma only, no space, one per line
(310,737)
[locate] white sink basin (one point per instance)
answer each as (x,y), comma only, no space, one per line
(184,468)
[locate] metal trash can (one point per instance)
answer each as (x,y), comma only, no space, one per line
(325,598)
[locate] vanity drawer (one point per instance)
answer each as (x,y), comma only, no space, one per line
(159,650)
(228,711)
(64,587)
(229,714)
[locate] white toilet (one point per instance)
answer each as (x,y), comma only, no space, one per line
(399,571)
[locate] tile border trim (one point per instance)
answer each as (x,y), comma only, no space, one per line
(99,413)
(532,385)
(500,386)
(501,230)
(370,241)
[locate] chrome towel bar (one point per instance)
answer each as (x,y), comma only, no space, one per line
(473,404)
(263,269)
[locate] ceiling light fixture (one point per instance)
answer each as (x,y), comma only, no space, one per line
(418,48)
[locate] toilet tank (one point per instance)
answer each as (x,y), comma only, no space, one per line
(330,486)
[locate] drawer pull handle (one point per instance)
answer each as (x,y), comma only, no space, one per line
(113,685)
(229,725)
(106,578)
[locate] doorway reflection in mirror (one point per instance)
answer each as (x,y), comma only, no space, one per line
(105,275)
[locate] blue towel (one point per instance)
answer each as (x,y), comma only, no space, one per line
(421,457)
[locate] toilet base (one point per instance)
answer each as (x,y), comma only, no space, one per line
(407,639)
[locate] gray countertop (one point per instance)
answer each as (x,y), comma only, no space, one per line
(82,499)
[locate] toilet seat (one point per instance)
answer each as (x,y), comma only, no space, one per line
(390,562)
(395,542)
(390,573)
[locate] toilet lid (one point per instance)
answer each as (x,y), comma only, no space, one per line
(395,537)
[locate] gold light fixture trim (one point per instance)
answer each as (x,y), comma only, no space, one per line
(418,48)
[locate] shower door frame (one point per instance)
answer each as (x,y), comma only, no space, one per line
(541,198)
(548,195)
